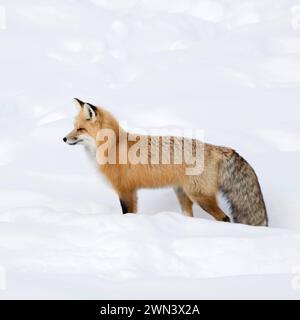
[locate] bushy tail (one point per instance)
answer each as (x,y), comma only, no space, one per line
(239,183)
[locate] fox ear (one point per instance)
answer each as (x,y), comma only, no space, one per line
(90,111)
(78,103)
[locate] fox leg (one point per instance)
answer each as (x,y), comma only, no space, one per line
(210,205)
(128,202)
(185,202)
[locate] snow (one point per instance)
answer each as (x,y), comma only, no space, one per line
(228,68)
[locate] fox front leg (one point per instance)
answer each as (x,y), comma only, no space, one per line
(128,202)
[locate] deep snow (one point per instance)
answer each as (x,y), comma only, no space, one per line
(229,68)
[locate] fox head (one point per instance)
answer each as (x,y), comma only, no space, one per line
(86,125)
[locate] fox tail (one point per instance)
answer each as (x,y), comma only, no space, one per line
(239,184)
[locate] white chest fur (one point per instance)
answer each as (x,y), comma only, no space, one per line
(91,151)
(90,147)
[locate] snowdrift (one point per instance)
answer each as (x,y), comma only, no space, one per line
(231,69)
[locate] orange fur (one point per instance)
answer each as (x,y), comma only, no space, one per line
(127,179)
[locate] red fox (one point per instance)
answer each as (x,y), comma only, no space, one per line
(223,169)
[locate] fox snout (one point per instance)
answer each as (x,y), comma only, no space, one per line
(71,139)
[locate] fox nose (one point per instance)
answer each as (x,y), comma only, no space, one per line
(65,139)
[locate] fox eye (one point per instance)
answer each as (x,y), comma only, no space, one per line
(81,129)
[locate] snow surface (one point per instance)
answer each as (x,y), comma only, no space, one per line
(230,68)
